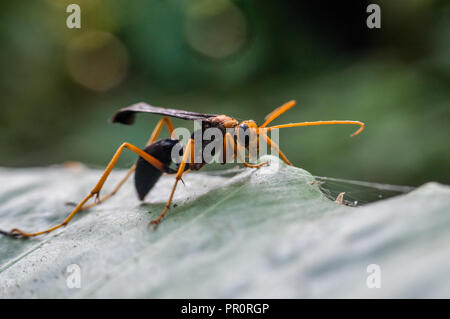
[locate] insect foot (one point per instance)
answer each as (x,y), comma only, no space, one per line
(14,233)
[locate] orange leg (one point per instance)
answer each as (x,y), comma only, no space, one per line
(254,166)
(283,109)
(165,120)
(238,150)
(273,145)
(228,146)
(188,151)
(95,191)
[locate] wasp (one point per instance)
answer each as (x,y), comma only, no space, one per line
(155,159)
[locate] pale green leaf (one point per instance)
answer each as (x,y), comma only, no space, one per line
(247,233)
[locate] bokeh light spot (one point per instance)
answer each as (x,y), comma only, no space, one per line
(216,29)
(97,60)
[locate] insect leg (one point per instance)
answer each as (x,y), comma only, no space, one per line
(95,191)
(272,144)
(189,149)
(165,120)
(228,146)
(254,166)
(238,151)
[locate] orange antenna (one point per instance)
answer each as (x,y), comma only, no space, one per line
(277,112)
(361,124)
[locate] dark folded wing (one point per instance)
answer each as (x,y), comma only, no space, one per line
(127,114)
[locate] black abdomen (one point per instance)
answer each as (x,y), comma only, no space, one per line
(147,175)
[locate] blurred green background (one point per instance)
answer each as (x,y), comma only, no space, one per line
(59,86)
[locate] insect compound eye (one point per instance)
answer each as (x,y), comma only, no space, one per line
(244,127)
(245,134)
